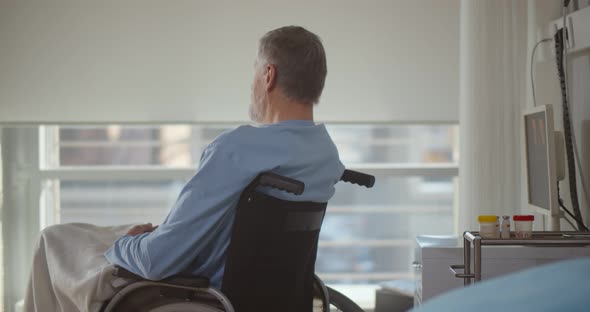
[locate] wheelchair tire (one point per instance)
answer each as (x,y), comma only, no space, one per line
(184,307)
(341,302)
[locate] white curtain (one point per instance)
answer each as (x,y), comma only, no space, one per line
(147,61)
(19,209)
(1,219)
(493,52)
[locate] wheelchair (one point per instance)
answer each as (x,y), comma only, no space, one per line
(269,266)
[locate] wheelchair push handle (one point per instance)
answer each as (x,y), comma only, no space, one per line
(359,178)
(280,182)
(297,187)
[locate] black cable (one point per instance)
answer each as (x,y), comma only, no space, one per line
(571,215)
(569,222)
(578,221)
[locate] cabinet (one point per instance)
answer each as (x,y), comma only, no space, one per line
(435,254)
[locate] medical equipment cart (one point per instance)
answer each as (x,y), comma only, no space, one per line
(539,239)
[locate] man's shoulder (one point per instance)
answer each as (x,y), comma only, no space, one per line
(287,139)
(235,135)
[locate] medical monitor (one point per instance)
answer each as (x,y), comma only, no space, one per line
(541,163)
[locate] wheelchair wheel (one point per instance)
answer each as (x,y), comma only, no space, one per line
(341,302)
(153,297)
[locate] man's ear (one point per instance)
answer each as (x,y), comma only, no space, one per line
(270,77)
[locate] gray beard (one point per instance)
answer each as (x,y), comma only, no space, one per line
(255,111)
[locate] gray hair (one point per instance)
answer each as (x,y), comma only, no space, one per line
(300,62)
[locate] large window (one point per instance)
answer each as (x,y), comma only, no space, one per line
(122,174)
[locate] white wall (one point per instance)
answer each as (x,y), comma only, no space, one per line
(580,107)
(187,61)
(541,13)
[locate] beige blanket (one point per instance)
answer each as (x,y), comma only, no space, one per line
(69,270)
(70,273)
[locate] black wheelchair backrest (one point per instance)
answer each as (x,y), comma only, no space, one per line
(271,257)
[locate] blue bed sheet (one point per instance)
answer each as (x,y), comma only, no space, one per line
(562,286)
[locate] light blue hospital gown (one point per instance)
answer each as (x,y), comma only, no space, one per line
(195,235)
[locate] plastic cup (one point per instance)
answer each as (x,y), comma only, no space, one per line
(523,226)
(488,226)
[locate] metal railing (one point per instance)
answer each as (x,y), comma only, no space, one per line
(547,239)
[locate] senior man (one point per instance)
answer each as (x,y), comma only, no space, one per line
(290,71)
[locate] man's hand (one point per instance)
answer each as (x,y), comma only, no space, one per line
(141,228)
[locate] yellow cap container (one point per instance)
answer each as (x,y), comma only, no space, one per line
(489,226)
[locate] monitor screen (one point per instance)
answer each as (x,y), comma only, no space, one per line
(537,160)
